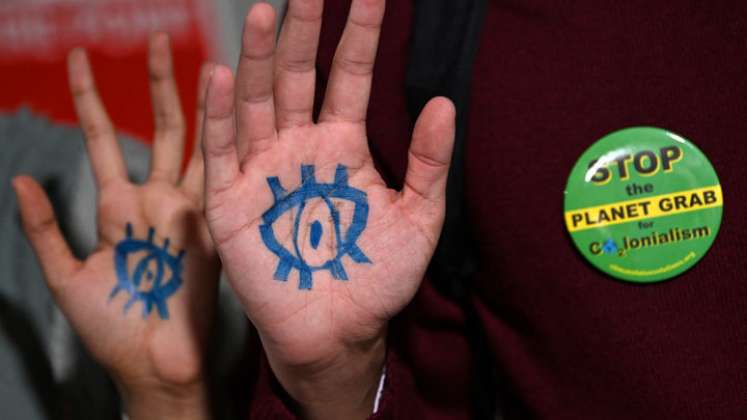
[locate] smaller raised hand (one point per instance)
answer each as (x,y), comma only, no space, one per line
(143,301)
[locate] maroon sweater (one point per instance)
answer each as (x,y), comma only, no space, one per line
(572,343)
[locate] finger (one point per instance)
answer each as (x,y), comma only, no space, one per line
(295,69)
(254,80)
(202,87)
(40,225)
(101,141)
(430,153)
(219,135)
(352,68)
(168,143)
(193,182)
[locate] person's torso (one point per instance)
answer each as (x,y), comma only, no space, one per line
(550,80)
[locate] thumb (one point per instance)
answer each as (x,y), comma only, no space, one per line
(40,225)
(430,153)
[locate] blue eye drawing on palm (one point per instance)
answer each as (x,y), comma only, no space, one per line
(345,242)
(147,281)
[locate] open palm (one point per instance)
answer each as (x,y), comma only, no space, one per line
(142,300)
(321,253)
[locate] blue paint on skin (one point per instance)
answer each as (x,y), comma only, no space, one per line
(160,289)
(311,189)
(316,234)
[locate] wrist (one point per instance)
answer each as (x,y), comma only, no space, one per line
(165,401)
(343,387)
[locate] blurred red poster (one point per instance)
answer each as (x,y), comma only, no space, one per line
(35,37)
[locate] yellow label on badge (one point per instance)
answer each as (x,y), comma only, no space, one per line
(651,207)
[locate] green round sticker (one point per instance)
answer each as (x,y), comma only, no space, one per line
(643,204)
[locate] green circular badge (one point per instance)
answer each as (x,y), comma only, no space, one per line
(643,204)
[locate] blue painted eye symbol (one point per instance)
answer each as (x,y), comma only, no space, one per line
(152,268)
(345,242)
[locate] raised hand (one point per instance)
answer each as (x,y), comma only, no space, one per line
(143,301)
(321,253)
